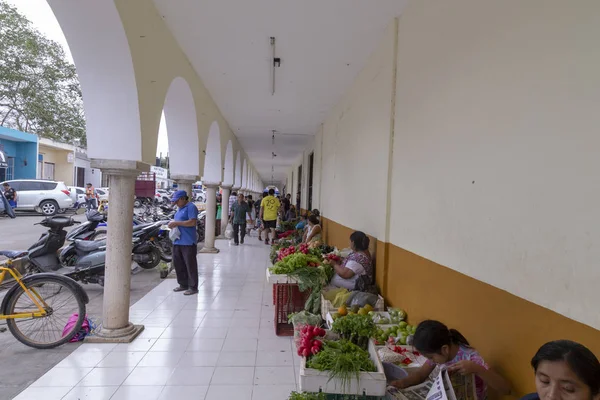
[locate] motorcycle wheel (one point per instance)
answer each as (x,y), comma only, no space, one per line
(155,255)
(166,249)
(99,235)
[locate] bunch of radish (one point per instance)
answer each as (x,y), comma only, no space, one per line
(309,344)
(333,258)
(303,248)
(287,251)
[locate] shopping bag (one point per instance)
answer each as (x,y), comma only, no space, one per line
(229,231)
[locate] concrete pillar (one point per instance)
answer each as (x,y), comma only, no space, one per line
(117,276)
(225,208)
(185,182)
(211,217)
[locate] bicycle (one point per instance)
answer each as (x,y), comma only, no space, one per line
(34,305)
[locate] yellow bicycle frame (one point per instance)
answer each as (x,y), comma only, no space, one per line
(33,294)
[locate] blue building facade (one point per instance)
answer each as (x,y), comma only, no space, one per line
(18,154)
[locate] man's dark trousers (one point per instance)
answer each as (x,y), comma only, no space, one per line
(186,265)
(239,229)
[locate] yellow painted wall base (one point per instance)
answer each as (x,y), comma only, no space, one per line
(506,329)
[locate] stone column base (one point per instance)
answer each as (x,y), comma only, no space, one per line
(121,335)
(207,250)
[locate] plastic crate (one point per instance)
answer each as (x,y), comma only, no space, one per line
(288,300)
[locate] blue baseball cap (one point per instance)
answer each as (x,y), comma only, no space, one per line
(177,195)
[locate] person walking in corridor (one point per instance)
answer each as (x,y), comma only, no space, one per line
(269,209)
(239,210)
(185,248)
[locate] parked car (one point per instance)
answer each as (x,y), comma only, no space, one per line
(77,195)
(49,196)
(162,196)
(102,194)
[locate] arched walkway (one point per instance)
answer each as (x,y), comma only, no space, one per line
(182,126)
(102,57)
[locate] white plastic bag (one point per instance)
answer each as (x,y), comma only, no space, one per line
(174,234)
(229,231)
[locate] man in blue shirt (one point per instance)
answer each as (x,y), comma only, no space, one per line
(185,248)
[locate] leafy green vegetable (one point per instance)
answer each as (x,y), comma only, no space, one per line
(355,328)
(314,279)
(293,262)
(344,359)
(307,396)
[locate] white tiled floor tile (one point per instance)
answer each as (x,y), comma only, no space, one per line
(106,376)
(274,359)
(199,359)
(46,393)
(245,323)
(241,392)
(235,344)
(237,359)
(160,359)
(283,343)
(272,392)
(88,347)
(200,344)
(275,376)
(184,392)
(216,323)
(91,393)
(148,376)
(243,333)
(79,360)
(191,376)
(171,345)
(136,345)
(121,359)
(151,332)
(233,376)
(211,333)
(138,392)
(62,377)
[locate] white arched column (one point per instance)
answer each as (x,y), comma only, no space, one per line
(182,131)
(226,187)
(212,180)
(102,56)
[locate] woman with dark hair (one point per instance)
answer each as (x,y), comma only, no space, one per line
(357,264)
(313,230)
(565,370)
(449,348)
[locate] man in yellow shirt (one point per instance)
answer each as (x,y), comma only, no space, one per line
(269,208)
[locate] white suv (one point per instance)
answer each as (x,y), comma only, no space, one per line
(49,196)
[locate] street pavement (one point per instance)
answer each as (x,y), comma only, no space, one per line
(21,365)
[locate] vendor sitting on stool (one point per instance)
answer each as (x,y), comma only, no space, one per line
(356,264)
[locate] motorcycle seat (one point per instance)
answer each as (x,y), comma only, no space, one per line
(89,245)
(141,226)
(12,254)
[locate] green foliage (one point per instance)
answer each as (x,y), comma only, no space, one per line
(356,328)
(39,88)
(307,396)
(292,262)
(344,359)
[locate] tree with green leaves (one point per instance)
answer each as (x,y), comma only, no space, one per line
(39,88)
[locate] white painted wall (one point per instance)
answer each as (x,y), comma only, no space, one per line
(496,150)
(494,168)
(355,146)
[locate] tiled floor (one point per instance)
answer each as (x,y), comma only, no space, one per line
(219,345)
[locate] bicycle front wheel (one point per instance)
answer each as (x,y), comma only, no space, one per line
(58,299)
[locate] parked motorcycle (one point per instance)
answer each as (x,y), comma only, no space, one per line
(42,255)
(201,226)
(146,252)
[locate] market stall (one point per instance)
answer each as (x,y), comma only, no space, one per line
(362,346)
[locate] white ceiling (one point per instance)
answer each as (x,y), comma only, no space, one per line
(322,44)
